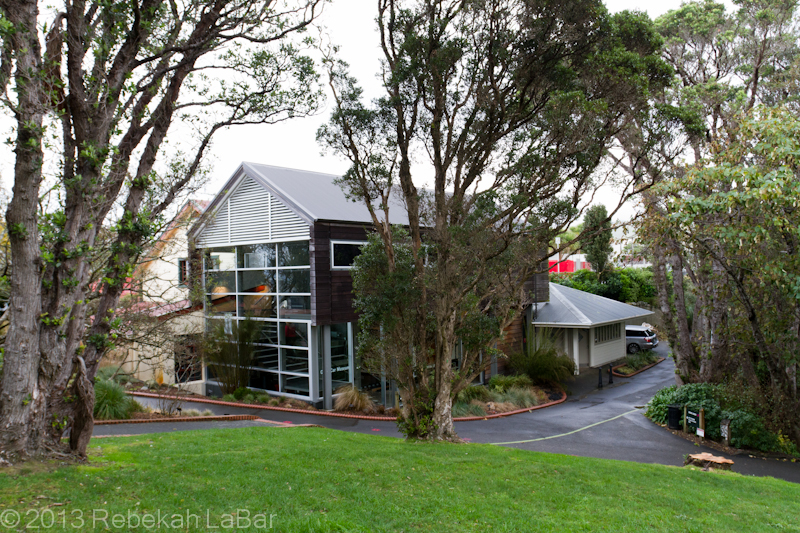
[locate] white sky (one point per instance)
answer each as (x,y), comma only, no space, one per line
(350,24)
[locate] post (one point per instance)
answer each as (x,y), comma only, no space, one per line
(600,378)
(702,423)
(725,429)
(327,398)
(610,374)
(576,350)
(685,429)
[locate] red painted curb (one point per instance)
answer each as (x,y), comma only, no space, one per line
(177,419)
(651,365)
(344,415)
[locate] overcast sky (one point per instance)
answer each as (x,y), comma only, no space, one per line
(292,144)
(350,24)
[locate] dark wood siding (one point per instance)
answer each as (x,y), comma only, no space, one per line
(332,290)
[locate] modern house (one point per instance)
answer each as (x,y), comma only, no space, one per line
(277,246)
(589,328)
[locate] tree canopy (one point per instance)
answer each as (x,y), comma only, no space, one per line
(596,239)
(505,109)
(102,100)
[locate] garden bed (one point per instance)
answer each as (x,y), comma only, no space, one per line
(617,373)
(554,397)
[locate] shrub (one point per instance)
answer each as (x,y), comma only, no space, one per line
(657,406)
(240,393)
(541,361)
(111,402)
(500,383)
(351,398)
(520,397)
(473,392)
(461,409)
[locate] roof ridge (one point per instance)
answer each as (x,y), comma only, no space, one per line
(569,305)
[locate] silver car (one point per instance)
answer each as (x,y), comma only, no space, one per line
(640,338)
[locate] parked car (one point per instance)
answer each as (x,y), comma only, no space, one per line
(640,338)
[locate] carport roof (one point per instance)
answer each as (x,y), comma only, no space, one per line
(571,308)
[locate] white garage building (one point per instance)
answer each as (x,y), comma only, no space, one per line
(589,328)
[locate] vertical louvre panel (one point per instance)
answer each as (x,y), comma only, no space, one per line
(249,206)
(252,215)
(286,224)
(216,232)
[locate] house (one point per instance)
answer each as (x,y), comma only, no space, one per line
(589,328)
(162,326)
(277,246)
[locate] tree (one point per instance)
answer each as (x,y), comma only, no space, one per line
(740,215)
(511,105)
(727,65)
(115,79)
(596,239)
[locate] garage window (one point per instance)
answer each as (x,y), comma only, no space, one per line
(607,333)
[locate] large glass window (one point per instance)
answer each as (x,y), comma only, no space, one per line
(340,355)
(270,283)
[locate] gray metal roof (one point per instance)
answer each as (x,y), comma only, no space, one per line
(312,195)
(578,309)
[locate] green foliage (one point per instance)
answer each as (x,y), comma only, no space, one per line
(500,383)
(623,284)
(240,393)
(229,353)
(638,360)
(519,396)
(111,401)
(463,409)
(596,242)
(541,360)
(747,428)
(474,392)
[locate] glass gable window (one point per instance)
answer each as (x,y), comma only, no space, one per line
(343,253)
(269,283)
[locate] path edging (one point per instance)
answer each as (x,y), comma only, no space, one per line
(230,418)
(345,415)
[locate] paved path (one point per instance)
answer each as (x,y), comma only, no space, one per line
(606,423)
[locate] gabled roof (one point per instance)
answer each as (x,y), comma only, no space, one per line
(313,196)
(578,309)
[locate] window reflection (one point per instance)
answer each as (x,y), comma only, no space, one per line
(256,256)
(294,253)
(294,280)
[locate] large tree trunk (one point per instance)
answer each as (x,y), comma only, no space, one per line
(23,402)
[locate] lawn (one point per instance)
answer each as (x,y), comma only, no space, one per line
(311,479)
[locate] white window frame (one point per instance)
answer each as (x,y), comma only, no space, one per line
(334,243)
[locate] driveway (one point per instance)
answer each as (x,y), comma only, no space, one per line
(606,423)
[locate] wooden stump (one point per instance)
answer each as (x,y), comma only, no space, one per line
(707,461)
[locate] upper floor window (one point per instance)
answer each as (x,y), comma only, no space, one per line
(343,253)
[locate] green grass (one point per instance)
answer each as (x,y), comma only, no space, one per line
(322,480)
